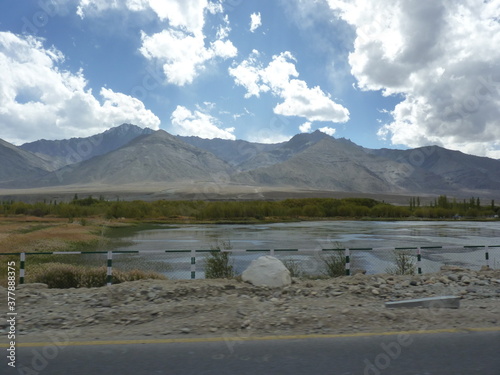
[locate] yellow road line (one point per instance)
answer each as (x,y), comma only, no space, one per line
(254,338)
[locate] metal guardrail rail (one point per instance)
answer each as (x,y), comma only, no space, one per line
(420,253)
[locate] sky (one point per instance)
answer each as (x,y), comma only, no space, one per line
(386,73)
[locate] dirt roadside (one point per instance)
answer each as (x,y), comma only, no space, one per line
(154,309)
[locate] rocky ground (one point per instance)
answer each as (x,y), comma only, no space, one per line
(229,308)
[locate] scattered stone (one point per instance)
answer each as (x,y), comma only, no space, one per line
(389,315)
(452,268)
(35,286)
(230,308)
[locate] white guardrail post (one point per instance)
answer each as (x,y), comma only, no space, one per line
(21,268)
(347,262)
(109,269)
(419,260)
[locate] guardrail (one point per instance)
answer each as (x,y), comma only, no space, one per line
(421,258)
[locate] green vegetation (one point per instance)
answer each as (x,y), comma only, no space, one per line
(60,275)
(294,267)
(404,263)
(218,263)
(252,211)
(334,264)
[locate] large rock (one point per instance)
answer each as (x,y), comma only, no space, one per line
(267,271)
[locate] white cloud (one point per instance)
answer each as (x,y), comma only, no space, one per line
(279,77)
(269,137)
(312,104)
(305,127)
(327,130)
(183,55)
(255,21)
(442,57)
(197,123)
(40,100)
(248,74)
(186,14)
(181,47)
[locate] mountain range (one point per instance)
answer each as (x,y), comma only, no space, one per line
(128,154)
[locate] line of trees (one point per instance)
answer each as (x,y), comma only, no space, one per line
(441,207)
(445,207)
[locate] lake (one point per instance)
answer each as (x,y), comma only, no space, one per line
(319,235)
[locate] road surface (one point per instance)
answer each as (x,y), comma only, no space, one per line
(418,353)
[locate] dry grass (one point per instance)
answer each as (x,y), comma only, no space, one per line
(60,275)
(18,234)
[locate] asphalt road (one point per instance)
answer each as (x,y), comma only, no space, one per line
(431,353)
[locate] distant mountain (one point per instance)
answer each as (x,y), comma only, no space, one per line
(341,165)
(232,152)
(16,163)
(283,151)
(74,150)
(459,170)
(157,157)
(130,155)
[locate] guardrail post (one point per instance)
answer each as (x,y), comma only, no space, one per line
(193,264)
(347,262)
(109,271)
(21,268)
(419,261)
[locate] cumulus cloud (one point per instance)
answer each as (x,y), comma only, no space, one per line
(305,127)
(327,130)
(200,124)
(255,21)
(38,99)
(179,13)
(442,57)
(181,47)
(280,78)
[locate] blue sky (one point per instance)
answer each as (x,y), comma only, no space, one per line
(389,73)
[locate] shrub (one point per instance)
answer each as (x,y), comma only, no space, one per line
(405,263)
(218,263)
(294,267)
(334,264)
(61,275)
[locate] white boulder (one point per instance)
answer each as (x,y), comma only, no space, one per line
(267,271)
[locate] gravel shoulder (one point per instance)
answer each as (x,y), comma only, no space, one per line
(154,309)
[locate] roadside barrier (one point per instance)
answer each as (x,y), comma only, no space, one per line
(399,260)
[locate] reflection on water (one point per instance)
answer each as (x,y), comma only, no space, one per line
(322,234)
(315,236)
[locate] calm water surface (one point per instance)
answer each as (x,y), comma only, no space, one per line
(315,236)
(320,234)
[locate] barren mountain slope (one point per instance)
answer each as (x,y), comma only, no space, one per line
(16,163)
(150,158)
(284,151)
(233,152)
(341,165)
(75,150)
(460,170)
